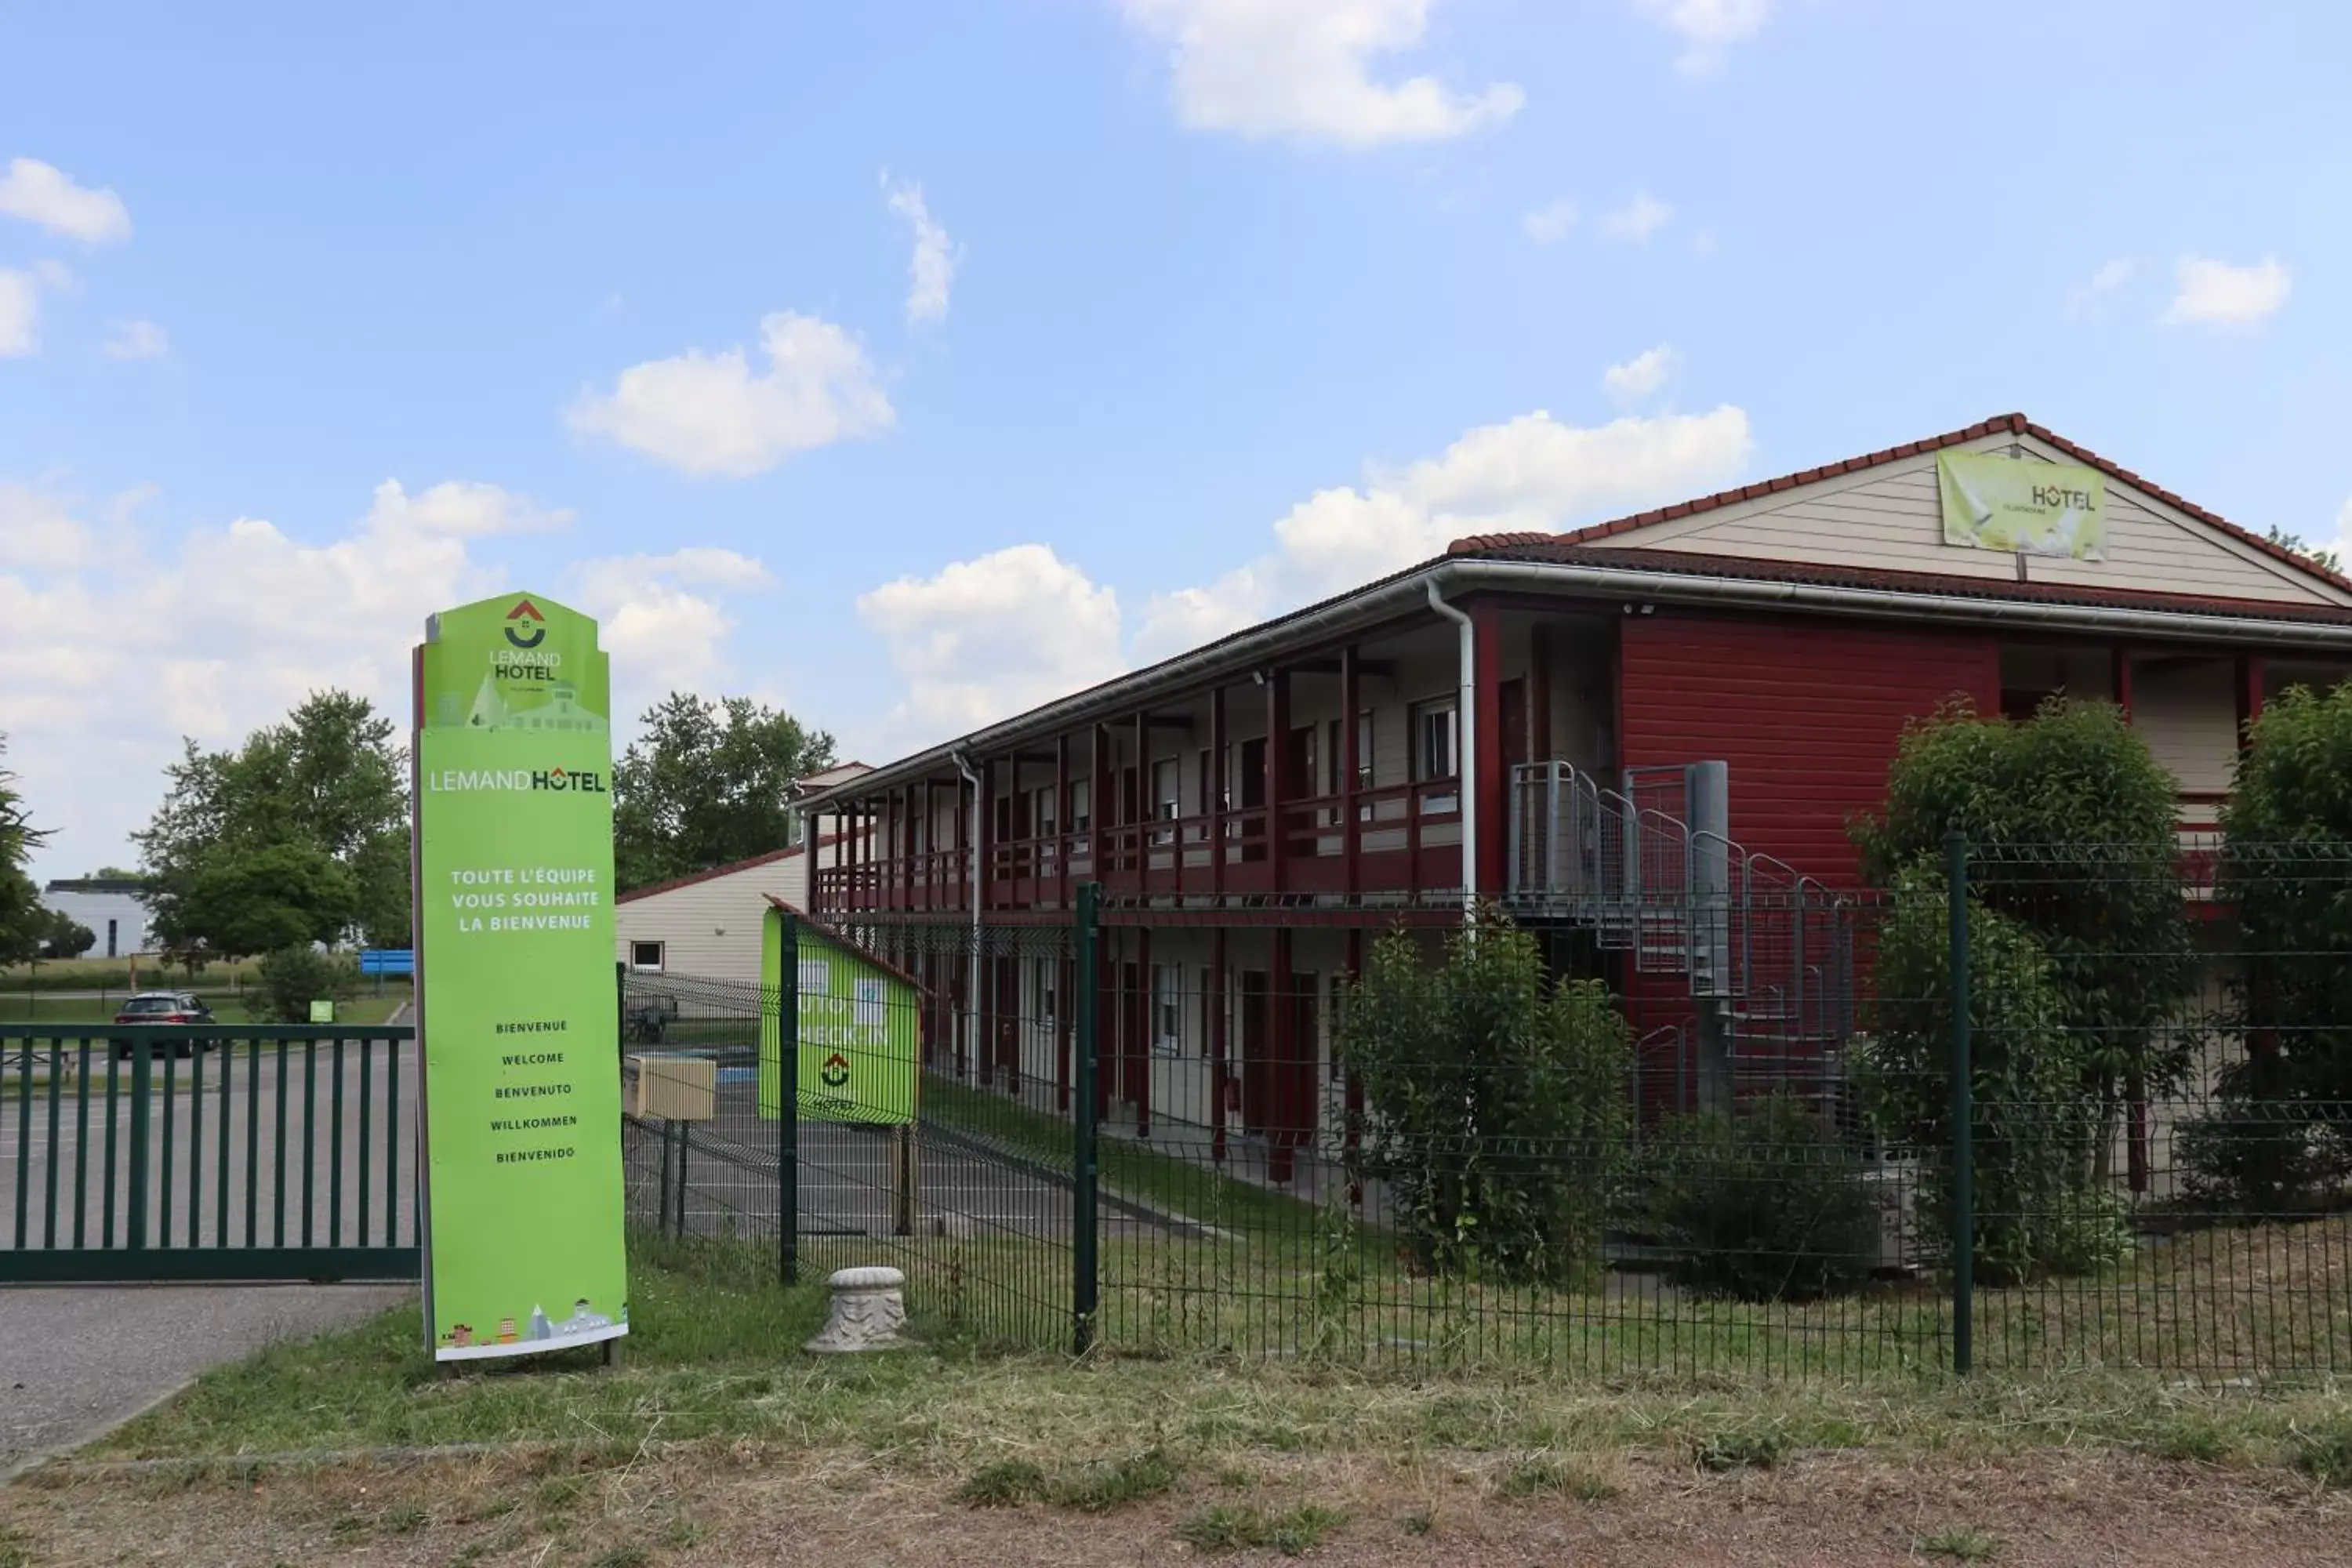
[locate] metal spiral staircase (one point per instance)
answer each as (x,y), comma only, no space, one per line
(1649,870)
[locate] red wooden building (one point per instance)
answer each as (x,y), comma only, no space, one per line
(1679,709)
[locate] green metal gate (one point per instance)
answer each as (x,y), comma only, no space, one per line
(165,1152)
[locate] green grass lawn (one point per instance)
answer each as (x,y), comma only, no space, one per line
(712,1356)
(34,1008)
(118,974)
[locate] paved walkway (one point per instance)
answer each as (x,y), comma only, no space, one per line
(76,1359)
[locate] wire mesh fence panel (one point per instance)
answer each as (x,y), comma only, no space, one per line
(2025,1110)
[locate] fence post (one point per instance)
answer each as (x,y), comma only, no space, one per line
(1086,1279)
(1963,1113)
(788,1101)
(142,1086)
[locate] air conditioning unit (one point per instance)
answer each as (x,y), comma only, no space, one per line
(1894,1187)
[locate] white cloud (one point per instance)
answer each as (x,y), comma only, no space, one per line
(1641,375)
(20,314)
(40,531)
(1303,69)
(459,509)
(2103,284)
(137,339)
(1637,220)
(222,628)
(991,637)
(709,414)
(933,265)
(42,195)
(1527,473)
(2220,294)
(1549,223)
(1708,27)
(662,620)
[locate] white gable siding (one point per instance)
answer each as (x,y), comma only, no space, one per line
(1889,519)
(712,927)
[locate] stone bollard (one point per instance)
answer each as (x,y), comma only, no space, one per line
(867,1312)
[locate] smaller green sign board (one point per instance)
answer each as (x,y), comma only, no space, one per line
(322,1012)
(860,1027)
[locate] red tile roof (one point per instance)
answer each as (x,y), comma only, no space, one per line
(1560,549)
(2014,424)
(691,877)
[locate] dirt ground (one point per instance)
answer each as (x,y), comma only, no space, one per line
(746,1506)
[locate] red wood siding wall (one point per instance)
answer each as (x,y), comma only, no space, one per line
(1806,712)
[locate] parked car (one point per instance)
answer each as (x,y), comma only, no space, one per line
(183,1007)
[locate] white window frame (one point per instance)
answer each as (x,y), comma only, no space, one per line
(636,962)
(1167,1010)
(1449,710)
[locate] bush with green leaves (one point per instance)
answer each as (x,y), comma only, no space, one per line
(1768,1204)
(2277,1140)
(2073,829)
(292,978)
(2042,1204)
(1497,1108)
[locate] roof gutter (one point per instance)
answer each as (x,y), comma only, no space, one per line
(1410,590)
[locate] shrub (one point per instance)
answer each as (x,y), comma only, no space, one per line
(1767,1205)
(2286,870)
(293,977)
(1496,1105)
(2264,1151)
(2040,1205)
(2073,833)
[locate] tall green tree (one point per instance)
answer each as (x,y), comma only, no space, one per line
(707,784)
(24,923)
(2074,833)
(299,835)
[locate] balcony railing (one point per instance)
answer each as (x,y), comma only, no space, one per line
(1402,840)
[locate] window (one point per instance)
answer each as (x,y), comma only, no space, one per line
(1041,986)
(1166,800)
(1081,804)
(645,957)
(1045,812)
(1364,750)
(1433,735)
(1435,756)
(1167,1009)
(1208,1001)
(110,932)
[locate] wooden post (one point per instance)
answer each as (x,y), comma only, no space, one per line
(2249,686)
(1494,788)
(1065,1013)
(1352,1138)
(903,1185)
(1282,1114)
(1278,772)
(1350,764)
(1217,1049)
(1062,822)
(1100,793)
(1147,1045)
(2120,664)
(1217,797)
(1146,808)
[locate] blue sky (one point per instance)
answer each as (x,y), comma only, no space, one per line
(312,320)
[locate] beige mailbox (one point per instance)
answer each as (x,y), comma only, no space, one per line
(676,1089)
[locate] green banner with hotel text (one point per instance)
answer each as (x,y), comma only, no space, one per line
(2022,505)
(519,1021)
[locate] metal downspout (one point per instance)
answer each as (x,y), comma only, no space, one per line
(971,983)
(1465,766)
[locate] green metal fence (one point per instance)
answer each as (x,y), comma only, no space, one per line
(206,1152)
